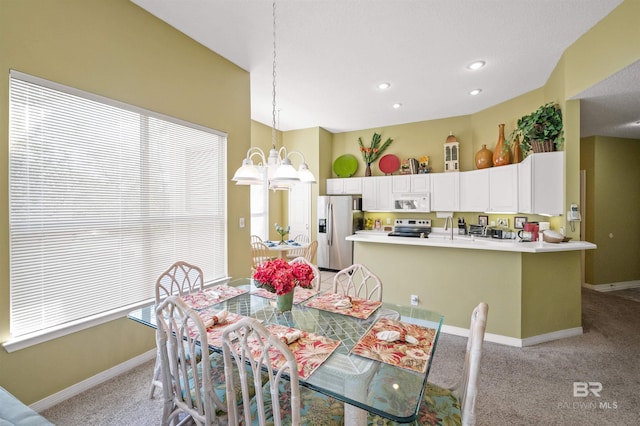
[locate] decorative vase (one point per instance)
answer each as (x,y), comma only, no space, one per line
(517,151)
(501,154)
(484,158)
(285,302)
(367,171)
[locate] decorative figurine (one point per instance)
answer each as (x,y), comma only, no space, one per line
(451,154)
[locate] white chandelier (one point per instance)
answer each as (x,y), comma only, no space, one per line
(279,173)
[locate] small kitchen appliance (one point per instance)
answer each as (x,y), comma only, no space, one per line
(533,228)
(408,203)
(416,228)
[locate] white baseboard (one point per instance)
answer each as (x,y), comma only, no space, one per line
(513,341)
(87,384)
(613,286)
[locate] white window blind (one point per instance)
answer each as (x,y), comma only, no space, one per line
(103,198)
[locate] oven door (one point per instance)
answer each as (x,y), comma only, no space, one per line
(420,203)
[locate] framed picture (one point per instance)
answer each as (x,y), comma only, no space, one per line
(519,221)
(483,220)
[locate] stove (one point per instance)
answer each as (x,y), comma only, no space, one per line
(416,228)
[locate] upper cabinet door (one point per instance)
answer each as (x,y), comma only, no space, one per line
(503,189)
(474,191)
(445,192)
(384,188)
(401,184)
(339,186)
(335,186)
(369,194)
(407,184)
(353,186)
(420,183)
(541,183)
(376,193)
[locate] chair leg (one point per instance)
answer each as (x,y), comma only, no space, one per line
(156,382)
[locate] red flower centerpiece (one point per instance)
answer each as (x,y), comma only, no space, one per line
(280,277)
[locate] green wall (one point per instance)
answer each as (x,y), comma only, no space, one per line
(115,49)
(613,202)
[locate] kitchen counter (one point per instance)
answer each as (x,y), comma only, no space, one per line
(533,289)
(441,239)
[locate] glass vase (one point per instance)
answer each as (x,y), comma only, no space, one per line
(284,302)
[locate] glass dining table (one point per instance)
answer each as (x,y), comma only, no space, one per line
(364,384)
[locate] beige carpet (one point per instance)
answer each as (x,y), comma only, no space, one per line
(629,293)
(518,386)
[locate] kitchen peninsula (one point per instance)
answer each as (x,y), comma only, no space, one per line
(533,289)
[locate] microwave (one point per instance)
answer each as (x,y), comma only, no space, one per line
(414,203)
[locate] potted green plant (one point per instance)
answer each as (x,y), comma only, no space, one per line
(540,131)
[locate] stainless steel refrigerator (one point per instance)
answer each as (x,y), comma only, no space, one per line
(338,217)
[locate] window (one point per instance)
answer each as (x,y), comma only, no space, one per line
(103,198)
(259,206)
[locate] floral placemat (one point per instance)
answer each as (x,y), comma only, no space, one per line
(400,353)
(310,350)
(360,308)
(299,294)
(211,296)
(214,333)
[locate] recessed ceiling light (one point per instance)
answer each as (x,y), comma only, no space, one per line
(476,65)
(384,86)
(475,92)
(397,105)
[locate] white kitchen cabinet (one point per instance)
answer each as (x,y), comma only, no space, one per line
(445,192)
(401,184)
(420,183)
(541,188)
(376,193)
(348,186)
(408,184)
(503,189)
(474,191)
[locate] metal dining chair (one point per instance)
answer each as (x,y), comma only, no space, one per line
(440,405)
(282,400)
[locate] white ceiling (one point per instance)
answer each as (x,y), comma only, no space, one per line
(331,55)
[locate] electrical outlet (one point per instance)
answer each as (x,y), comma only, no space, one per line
(414,299)
(241,222)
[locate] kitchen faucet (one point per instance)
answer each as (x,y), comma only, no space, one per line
(449,221)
